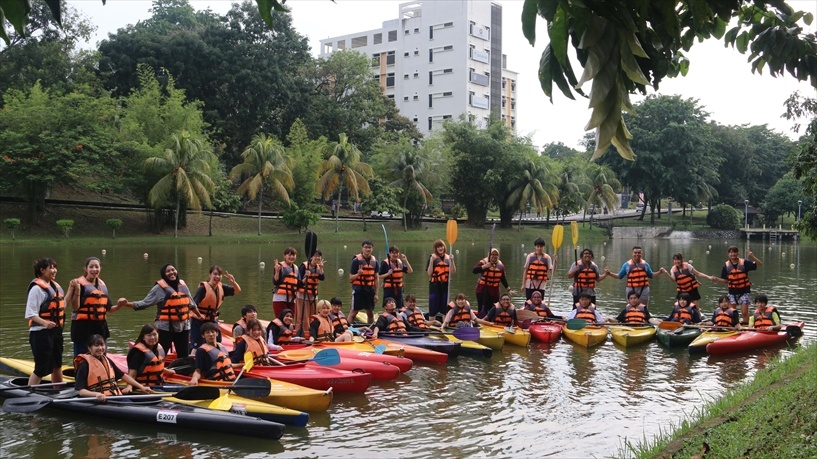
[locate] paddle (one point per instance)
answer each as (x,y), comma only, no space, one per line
(310,244)
(465,333)
(34,386)
(223,403)
(386,235)
(324,357)
(578,324)
(451,237)
(36,402)
(556,239)
(379,349)
(574,231)
(491,243)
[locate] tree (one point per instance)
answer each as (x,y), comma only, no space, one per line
(604,188)
(536,186)
(224,199)
(782,199)
(186,165)
(409,165)
(572,186)
(805,163)
(266,164)
(343,166)
(626,45)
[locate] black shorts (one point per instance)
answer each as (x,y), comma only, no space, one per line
(363,299)
(47,347)
(694,294)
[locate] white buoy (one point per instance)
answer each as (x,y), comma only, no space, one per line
(791,266)
(457,251)
(340,272)
(770,248)
(605,242)
(261,265)
(104,252)
(145,255)
(523,246)
(524,255)
(472,243)
(198,260)
(783,253)
(707,252)
(710,247)
(603,258)
(690,261)
(344,247)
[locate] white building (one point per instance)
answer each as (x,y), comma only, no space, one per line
(438,60)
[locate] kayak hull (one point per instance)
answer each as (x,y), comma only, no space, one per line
(451,349)
(319,378)
(545,332)
(699,344)
(632,336)
(589,336)
(674,338)
(380,370)
(467,348)
(520,337)
(748,341)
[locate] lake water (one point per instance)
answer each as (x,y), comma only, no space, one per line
(556,400)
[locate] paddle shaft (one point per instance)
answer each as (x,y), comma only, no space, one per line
(34,386)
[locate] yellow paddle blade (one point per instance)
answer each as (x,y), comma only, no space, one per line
(222,403)
(248,361)
(558,234)
(574,229)
(451,232)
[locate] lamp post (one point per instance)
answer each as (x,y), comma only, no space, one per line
(746,213)
(799,205)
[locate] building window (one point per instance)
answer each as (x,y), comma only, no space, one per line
(416,52)
(416,30)
(406,54)
(390,58)
(414,119)
(341,44)
(416,97)
(408,31)
(405,76)
(448,24)
(448,48)
(405,98)
(390,80)
(392,35)
(377,39)
(376,60)
(430,55)
(448,70)
(430,104)
(430,32)
(359,42)
(416,75)
(448,94)
(429,123)
(430,78)
(391,96)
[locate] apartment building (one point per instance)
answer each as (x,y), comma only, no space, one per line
(438,60)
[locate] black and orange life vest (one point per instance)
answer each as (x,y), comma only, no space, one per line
(460,314)
(93,300)
(588,313)
(415,319)
(213,297)
(541,309)
(637,274)
(635,314)
(53,308)
(258,347)
(339,322)
(324,329)
(684,279)
(366,271)
(765,319)
(683,315)
(288,282)
(176,305)
(440,273)
(504,317)
(242,324)
(309,284)
(585,277)
(285,333)
(101,377)
(492,276)
(737,276)
(723,318)
(537,269)
(150,374)
(221,368)
(395,325)
(395,280)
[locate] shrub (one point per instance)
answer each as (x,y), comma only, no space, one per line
(723,216)
(12,224)
(113,224)
(298,218)
(66,226)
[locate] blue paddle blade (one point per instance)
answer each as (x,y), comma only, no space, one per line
(467,333)
(353,330)
(327,357)
(380,348)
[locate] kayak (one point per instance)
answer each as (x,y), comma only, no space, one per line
(631,336)
(488,337)
(698,345)
(519,337)
(588,336)
(315,377)
(418,354)
(403,363)
(163,413)
(365,346)
(450,348)
(383,371)
(467,347)
(680,337)
(545,332)
(748,341)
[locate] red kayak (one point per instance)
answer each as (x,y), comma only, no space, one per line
(316,377)
(751,340)
(545,332)
(379,370)
(304,350)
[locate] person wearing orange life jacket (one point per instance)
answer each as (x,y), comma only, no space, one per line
(502,313)
(440,267)
(364,279)
(311,274)
(209,297)
(286,281)
(735,274)
(585,275)
(725,315)
(96,376)
(683,311)
(389,322)
(634,313)
(585,309)
(340,324)
(765,315)
(146,359)
(212,360)
(320,326)
(460,313)
(248,313)
(391,274)
(45,311)
(88,297)
(280,331)
(253,341)
(538,269)
(536,305)
(174,305)
(414,318)
(638,274)
(685,277)
(492,274)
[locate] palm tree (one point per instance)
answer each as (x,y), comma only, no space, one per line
(572,186)
(410,166)
(342,166)
(536,186)
(265,164)
(605,185)
(186,165)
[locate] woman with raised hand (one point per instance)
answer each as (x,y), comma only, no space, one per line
(88,297)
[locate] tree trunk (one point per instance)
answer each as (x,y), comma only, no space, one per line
(405,211)
(520,221)
(260,204)
(176,225)
(337,205)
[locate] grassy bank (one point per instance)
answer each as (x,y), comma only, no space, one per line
(775,415)
(90,228)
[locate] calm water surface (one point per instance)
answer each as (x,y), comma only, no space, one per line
(555,400)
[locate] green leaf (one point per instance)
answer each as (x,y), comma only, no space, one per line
(16,12)
(56,11)
(731,35)
(559,78)
(720,28)
(266,7)
(742,42)
(596,27)
(557,31)
(808,18)
(630,66)
(547,8)
(635,46)
(529,10)
(545,79)
(3,33)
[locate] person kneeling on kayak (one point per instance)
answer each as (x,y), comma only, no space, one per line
(389,321)
(684,311)
(213,363)
(501,313)
(536,305)
(586,310)
(414,318)
(725,315)
(460,314)
(634,313)
(765,315)
(96,375)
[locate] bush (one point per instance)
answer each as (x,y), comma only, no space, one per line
(66,226)
(113,224)
(298,218)
(723,216)
(12,224)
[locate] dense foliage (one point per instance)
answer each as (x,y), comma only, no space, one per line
(724,217)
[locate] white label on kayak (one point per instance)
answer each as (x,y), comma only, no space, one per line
(364,354)
(238,408)
(166,416)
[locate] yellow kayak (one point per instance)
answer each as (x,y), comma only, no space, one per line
(631,336)
(588,336)
(519,337)
(490,338)
(466,347)
(698,345)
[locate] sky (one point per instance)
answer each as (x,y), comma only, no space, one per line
(719,78)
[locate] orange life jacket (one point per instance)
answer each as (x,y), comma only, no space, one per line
(504,317)
(286,333)
(258,347)
(637,274)
(537,269)
(221,368)
(339,322)
(395,325)
(723,318)
(288,282)
(586,277)
(736,275)
(176,305)
(461,314)
(541,310)
(366,271)
(53,308)
(324,329)
(492,276)
(150,374)
(101,377)
(685,280)
(415,319)
(588,313)
(395,280)
(93,300)
(309,285)
(440,273)
(208,306)
(241,323)
(683,315)
(765,319)
(635,315)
